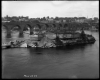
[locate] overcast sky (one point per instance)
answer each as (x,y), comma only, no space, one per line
(35,9)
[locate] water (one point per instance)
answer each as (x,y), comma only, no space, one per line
(75,62)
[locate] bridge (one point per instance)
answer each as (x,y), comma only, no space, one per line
(53,27)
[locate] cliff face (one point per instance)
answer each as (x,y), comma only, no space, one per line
(46,42)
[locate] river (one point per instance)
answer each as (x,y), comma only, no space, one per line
(75,62)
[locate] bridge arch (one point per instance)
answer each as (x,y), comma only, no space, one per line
(4,30)
(39,26)
(4,27)
(36,28)
(60,26)
(43,27)
(27,27)
(54,25)
(16,27)
(47,26)
(65,26)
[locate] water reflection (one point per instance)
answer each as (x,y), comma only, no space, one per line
(35,51)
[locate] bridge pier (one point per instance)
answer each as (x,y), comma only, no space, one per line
(31,31)
(8,34)
(21,34)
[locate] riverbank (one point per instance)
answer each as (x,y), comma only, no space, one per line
(45,42)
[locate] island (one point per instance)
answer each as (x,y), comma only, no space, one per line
(68,39)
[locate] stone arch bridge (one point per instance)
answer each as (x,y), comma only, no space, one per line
(40,26)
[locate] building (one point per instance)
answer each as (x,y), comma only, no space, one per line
(50,20)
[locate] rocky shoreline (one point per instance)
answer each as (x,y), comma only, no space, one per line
(46,42)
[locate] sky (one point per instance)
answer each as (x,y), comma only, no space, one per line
(35,9)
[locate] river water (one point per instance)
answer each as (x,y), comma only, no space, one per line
(75,62)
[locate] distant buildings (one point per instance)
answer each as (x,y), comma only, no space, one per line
(14,18)
(80,20)
(52,20)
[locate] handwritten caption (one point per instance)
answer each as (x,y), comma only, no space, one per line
(30,75)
